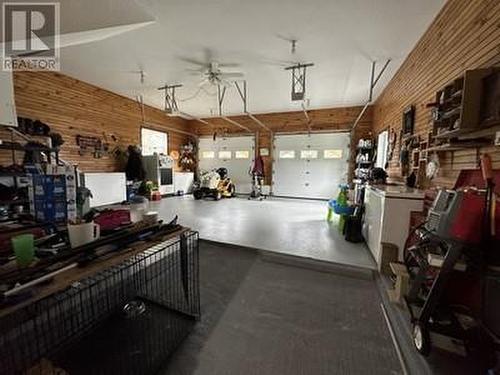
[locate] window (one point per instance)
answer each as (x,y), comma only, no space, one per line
(225,154)
(242,154)
(309,154)
(382,143)
(153,141)
(332,154)
(208,154)
(287,154)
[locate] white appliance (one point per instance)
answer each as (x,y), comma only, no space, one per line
(233,153)
(8,114)
(159,169)
(183,181)
(387,216)
(106,188)
(310,166)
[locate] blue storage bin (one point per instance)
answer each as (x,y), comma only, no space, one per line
(341,210)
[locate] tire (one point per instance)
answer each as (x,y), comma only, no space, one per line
(217,195)
(197,194)
(421,339)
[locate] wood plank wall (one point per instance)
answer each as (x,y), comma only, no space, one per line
(464,35)
(72,107)
(333,119)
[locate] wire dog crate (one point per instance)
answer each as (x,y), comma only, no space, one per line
(126,319)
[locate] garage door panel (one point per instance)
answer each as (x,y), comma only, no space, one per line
(314,176)
(225,155)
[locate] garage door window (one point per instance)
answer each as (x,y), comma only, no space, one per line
(309,154)
(225,155)
(332,154)
(242,154)
(287,154)
(208,155)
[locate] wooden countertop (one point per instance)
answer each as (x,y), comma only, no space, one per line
(67,278)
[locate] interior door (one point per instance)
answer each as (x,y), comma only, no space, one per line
(310,166)
(234,153)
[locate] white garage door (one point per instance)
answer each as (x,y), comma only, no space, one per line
(234,153)
(310,166)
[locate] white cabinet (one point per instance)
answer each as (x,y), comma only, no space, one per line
(387,217)
(7,104)
(183,181)
(106,188)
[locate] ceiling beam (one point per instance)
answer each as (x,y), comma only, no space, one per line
(235,123)
(260,123)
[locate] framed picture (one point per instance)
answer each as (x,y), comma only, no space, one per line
(408,120)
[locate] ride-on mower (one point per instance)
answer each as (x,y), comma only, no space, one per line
(214,184)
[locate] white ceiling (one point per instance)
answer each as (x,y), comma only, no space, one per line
(341,37)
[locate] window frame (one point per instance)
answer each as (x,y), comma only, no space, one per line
(207,151)
(167,140)
(224,158)
(309,157)
(287,158)
(247,153)
(333,150)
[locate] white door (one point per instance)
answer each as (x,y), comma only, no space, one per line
(234,153)
(310,166)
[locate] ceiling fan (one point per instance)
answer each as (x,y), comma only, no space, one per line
(212,72)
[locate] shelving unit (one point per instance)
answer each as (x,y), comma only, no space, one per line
(450,146)
(457,107)
(14,146)
(360,180)
(462,119)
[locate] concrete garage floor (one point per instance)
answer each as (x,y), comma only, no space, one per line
(287,226)
(263,318)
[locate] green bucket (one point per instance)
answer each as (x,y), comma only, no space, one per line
(24,249)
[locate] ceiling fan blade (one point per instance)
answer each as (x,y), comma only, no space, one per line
(229,65)
(194,62)
(231,74)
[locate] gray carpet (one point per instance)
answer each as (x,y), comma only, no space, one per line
(266,318)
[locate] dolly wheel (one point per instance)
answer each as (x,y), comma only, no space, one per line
(421,339)
(197,194)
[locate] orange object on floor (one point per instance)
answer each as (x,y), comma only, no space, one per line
(155,196)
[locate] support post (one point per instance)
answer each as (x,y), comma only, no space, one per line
(220,97)
(308,118)
(258,122)
(243,94)
(373,83)
(170,99)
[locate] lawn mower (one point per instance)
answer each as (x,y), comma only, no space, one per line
(215,184)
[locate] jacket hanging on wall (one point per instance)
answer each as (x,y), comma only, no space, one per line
(134,169)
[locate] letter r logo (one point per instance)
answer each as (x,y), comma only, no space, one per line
(29,28)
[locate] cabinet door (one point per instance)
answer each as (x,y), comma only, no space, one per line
(372,230)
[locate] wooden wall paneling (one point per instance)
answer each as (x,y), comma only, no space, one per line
(71,107)
(464,35)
